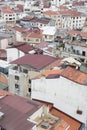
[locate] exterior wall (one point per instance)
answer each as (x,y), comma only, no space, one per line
(65,94)
(32,40)
(57,2)
(49,37)
(77,49)
(13,54)
(10,17)
(22,82)
(19,36)
(4,44)
(73,22)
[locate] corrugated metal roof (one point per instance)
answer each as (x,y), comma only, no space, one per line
(16,111)
(35,61)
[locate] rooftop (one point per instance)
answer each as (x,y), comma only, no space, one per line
(35,61)
(23,47)
(16,111)
(75,75)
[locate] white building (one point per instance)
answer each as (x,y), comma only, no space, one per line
(66,89)
(49,33)
(59,2)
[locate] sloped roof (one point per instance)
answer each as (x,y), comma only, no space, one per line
(16,111)
(3,78)
(19,29)
(74,124)
(50,72)
(75,75)
(23,47)
(7,10)
(4,93)
(36,33)
(75,32)
(71,60)
(35,61)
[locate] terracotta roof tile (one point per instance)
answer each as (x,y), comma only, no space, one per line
(75,32)
(7,10)
(74,124)
(3,54)
(19,29)
(50,12)
(33,34)
(50,72)
(70,13)
(3,78)
(4,93)
(62,125)
(75,75)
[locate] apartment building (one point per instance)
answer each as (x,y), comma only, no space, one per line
(8,15)
(33,36)
(24,69)
(67,18)
(37,22)
(76,44)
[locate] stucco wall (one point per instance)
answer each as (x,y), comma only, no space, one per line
(65,94)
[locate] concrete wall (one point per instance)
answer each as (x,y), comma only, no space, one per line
(65,94)
(13,54)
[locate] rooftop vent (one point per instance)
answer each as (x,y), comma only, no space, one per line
(1,114)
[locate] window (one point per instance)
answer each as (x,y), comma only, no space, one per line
(25,71)
(24,39)
(16,86)
(10,18)
(17,77)
(45,36)
(29,81)
(10,15)
(37,40)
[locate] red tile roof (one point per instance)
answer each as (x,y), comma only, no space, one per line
(35,61)
(7,10)
(74,124)
(4,93)
(69,73)
(75,75)
(66,120)
(3,78)
(50,72)
(23,47)
(50,12)
(19,29)
(3,54)
(75,32)
(37,33)
(62,125)
(71,13)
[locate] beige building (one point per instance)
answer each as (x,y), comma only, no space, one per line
(33,36)
(8,15)
(26,68)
